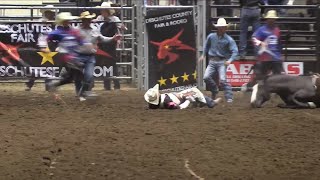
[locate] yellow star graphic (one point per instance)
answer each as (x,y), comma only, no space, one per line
(185,77)
(47,57)
(174,79)
(162,81)
(166,46)
(194,75)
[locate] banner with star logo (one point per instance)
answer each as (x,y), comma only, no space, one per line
(18,43)
(172,48)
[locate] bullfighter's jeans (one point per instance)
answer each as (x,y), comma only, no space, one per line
(68,76)
(88,69)
(82,79)
(212,68)
(262,69)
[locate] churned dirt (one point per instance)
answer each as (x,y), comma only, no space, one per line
(116,137)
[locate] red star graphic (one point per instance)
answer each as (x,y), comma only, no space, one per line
(166,46)
(10,53)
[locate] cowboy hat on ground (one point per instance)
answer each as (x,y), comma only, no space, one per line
(152,95)
(65,16)
(221,23)
(87,15)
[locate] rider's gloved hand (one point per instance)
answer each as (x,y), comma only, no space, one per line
(191,98)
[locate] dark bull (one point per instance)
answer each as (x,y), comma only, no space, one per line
(295,91)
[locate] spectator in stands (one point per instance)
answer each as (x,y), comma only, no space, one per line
(250,16)
(111,27)
(48,15)
(222,50)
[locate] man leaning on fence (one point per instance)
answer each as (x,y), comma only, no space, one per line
(92,36)
(112,25)
(221,50)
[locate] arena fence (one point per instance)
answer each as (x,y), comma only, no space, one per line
(300,35)
(125,51)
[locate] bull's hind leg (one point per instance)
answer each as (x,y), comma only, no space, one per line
(303,94)
(287,99)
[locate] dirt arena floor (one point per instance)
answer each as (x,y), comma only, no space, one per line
(117,138)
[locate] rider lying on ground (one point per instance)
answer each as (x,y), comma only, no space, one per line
(178,100)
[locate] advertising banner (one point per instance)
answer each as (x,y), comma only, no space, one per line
(18,41)
(237,72)
(172,48)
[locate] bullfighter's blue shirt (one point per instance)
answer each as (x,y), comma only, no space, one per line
(271,37)
(68,37)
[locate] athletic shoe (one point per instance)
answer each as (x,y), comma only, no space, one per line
(229,100)
(89,94)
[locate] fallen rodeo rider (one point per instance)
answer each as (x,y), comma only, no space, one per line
(295,91)
(192,97)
